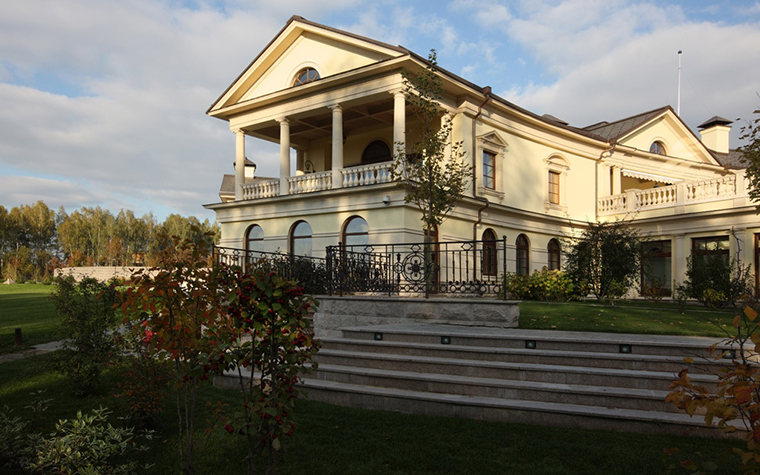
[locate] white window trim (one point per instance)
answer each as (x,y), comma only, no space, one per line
(559,165)
(494,144)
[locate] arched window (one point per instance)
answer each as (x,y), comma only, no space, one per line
(300,239)
(377,151)
(523,249)
(254,238)
(355,233)
(555,254)
(489,262)
(657,147)
(306,75)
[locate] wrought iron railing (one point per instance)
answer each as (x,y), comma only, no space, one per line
(310,272)
(461,267)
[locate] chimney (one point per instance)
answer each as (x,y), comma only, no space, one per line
(250,170)
(714,132)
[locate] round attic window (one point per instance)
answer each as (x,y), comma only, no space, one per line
(658,148)
(306,75)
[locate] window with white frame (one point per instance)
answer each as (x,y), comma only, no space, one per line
(556,184)
(490,167)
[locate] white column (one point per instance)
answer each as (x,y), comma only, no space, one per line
(284,155)
(299,162)
(399,122)
(239,164)
(337,146)
(617,178)
(678,256)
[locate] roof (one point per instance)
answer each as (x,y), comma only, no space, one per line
(732,159)
(228,184)
(622,127)
(714,120)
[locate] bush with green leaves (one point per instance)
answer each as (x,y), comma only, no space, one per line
(89,444)
(19,439)
(604,260)
(716,281)
(269,334)
(88,320)
(548,285)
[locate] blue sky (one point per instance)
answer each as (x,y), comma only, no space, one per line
(104,101)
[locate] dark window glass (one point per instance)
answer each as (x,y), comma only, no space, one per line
(356,233)
(523,249)
(306,75)
(300,239)
(375,152)
(254,238)
(555,254)
(554,188)
(489,170)
(489,252)
(656,267)
(658,148)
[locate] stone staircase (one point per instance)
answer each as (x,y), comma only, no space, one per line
(591,380)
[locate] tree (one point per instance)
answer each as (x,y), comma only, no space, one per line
(604,260)
(434,181)
(751,156)
(267,332)
(170,306)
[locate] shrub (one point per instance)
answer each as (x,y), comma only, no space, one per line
(87,322)
(604,260)
(88,445)
(18,440)
(716,281)
(549,285)
(268,333)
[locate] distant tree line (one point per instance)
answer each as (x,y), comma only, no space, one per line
(35,240)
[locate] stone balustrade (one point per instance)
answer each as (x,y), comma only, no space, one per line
(703,191)
(367,174)
(310,182)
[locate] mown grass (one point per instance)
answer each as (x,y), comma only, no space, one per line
(625,317)
(336,440)
(28,307)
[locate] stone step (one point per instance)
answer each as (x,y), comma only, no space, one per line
(663,345)
(563,374)
(600,396)
(521,355)
(506,410)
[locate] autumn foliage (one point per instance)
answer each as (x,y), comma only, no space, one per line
(734,404)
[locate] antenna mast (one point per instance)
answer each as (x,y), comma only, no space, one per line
(678,108)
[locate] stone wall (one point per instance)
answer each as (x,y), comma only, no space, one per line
(335,313)
(102,273)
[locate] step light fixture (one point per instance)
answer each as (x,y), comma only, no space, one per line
(445,340)
(625,348)
(530,344)
(378,336)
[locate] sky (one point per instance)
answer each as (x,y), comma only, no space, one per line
(103,101)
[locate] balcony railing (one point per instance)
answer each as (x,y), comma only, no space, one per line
(668,196)
(367,174)
(310,183)
(363,175)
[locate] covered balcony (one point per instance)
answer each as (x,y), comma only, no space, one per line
(341,144)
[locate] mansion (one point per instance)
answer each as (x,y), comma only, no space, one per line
(336,101)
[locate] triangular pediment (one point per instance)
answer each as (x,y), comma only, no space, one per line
(493,139)
(672,134)
(303,44)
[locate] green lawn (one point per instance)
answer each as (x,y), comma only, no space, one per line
(26,306)
(625,317)
(338,440)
